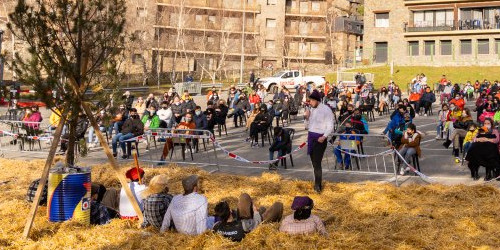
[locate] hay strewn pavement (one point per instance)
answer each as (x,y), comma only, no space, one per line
(357,216)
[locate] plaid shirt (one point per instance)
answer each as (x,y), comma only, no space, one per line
(98,214)
(154,208)
(30,196)
(312,224)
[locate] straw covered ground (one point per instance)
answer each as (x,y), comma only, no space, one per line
(357,216)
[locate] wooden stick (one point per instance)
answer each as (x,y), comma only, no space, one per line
(137,167)
(45,175)
(114,164)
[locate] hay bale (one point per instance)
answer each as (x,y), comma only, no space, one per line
(367,215)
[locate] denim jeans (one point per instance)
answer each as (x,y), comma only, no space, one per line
(439,129)
(407,153)
(271,154)
(121,138)
(91,134)
(347,157)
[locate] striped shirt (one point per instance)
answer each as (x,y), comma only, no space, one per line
(189,214)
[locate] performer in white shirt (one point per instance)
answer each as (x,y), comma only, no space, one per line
(126,209)
(321,121)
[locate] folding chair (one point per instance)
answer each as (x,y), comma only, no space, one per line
(183,143)
(291,133)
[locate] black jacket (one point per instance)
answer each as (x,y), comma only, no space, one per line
(134,126)
(263,117)
(178,109)
(243,104)
(284,143)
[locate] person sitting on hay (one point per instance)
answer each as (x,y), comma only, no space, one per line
(302,221)
(228,226)
(98,213)
(188,211)
(156,201)
(135,175)
(251,217)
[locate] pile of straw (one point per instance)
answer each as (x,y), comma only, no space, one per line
(367,216)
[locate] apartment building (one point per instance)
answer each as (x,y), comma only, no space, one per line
(432,32)
(209,35)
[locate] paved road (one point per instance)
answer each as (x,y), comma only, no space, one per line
(437,162)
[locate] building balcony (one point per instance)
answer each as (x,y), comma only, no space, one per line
(461,27)
(211,48)
(213,28)
(295,32)
(306,55)
(297,12)
(348,25)
(227,6)
(428,2)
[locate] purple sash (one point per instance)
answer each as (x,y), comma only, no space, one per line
(311,138)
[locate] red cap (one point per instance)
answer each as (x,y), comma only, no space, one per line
(133,174)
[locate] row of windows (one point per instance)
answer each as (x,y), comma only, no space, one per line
(446,47)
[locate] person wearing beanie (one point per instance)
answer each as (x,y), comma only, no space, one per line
(302,221)
(126,210)
(320,118)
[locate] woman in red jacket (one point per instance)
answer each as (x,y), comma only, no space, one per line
(254,100)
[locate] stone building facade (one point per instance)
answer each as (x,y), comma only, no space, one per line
(432,32)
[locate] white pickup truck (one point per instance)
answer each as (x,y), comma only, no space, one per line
(290,79)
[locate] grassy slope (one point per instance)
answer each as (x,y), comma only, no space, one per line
(405,74)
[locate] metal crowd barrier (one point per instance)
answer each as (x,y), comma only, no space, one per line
(20,136)
(191,87)
(186,146)
(362,154)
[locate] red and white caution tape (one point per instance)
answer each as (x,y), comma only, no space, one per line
(241,159)
(3,132)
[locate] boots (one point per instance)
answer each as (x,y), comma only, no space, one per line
(447,143)
(456,152)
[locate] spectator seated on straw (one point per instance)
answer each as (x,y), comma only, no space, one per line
(30,196)
(302,221)
(156,201)
(227,225)
(131,128)
(188,211)
(251,217)
(135,175)
(98,213)
(282,144)
(410,145)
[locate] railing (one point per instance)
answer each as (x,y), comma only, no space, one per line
(306,32)
(251,6)
(344,24)
(226,25)
(466,24)
(307,12)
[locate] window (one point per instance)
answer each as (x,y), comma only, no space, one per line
(446,48)
(483,46)
(199,18)
(430,48)
(382,20)
(270,44)
(433,18)
(315,26)
(465,47)
(137,58)
(210,40)
(271,23)
(314,47)
(413,48)
(304,7)
(141,12)
(211,19)
(497,46)
(272,2)
(302,48)
(315,6)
